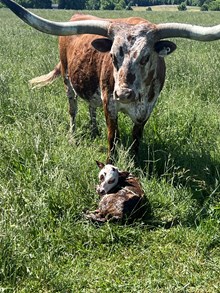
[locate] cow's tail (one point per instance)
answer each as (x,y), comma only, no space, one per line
(46,79)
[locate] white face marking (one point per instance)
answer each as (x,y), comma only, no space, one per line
(133,60)
(108,178)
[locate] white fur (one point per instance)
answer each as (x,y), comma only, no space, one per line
(108,178)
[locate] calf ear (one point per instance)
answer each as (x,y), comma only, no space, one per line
(102,45)
(164,48)
(100,165)
(123,174)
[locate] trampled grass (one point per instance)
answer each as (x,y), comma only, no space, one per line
(47,180)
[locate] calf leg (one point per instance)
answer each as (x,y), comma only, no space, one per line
(95,216)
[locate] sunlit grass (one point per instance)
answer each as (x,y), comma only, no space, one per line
(47,180)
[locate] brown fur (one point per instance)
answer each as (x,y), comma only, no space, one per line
(87,67)
(125,202)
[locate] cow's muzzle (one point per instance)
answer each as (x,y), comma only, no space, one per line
(124,95)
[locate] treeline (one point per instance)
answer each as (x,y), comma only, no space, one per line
(116,4)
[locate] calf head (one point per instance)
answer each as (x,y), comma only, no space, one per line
(108,178)
(134,51)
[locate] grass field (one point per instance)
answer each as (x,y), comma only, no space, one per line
(169,8)
(47,181)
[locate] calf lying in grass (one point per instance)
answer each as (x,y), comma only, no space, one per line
(122,197)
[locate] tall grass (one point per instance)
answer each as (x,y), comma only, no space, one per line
(47,180)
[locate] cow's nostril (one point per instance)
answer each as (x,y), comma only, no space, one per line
(131,95)
(116,95)
(124,95)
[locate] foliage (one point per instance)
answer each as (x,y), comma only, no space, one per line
(214,5)
(48,178)
(107,4)
(204,7)
(182,7)
(120,4)
(92,4)
(164,2)
(72,4)
(35,3)
(128,7)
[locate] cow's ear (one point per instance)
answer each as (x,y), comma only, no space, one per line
(102,45)
(164,48)
(100,165)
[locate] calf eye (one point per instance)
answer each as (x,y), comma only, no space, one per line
(144,60)
(102,178)
(111,181)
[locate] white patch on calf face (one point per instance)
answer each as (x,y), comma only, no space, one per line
(108,178)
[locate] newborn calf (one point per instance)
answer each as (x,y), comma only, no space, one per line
(122,197)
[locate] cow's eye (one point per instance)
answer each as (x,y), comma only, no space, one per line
(102,178)
(144,60)
(111,181)
(121,52)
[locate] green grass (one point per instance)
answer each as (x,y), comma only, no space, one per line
(168,8)
(47,180)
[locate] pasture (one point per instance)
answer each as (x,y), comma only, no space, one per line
(170,8)
(48,178)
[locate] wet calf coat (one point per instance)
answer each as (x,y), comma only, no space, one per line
(121,196)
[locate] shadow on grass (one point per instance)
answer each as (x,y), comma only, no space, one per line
(193,169)
(196,170)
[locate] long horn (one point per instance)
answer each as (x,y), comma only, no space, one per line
(188,31)
(98,27)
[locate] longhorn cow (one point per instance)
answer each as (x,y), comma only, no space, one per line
(124,71)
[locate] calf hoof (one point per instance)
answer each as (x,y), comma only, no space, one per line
(95,217)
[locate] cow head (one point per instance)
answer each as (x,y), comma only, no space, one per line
(134,52)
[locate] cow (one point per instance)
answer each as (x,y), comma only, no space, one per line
(114,63)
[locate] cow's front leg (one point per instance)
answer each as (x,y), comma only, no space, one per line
(72,98)
(113,136)
(94,128)
(72,111)
(113,133)
(137,134)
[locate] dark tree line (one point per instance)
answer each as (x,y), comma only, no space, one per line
(35,3)
(93,4)
(117,4)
